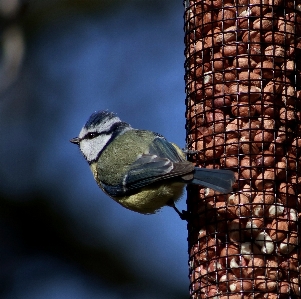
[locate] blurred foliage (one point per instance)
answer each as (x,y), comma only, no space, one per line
(38,227)
(32,227)
(40,12)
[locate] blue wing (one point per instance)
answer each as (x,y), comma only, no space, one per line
(162,162)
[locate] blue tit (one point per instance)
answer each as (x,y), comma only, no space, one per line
(140,169)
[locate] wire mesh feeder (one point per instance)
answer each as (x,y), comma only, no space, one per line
(243,86)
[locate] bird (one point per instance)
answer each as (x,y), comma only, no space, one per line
(140,169)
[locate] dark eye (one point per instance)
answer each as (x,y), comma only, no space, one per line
(91,135)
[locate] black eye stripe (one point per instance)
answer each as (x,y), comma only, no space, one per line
(114,128)
(91,135)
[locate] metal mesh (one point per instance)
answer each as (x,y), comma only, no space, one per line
(243,86)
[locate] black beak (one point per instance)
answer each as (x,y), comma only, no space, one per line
(75,140)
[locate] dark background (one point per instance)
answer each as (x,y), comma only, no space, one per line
(60,236)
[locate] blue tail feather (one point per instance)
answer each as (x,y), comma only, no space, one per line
(220,180)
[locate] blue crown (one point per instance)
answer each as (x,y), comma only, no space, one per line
(99,117)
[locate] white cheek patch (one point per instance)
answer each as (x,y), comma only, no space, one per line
(92,147)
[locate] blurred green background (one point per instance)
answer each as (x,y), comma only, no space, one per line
(61,60)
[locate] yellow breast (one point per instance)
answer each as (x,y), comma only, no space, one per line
(153,197)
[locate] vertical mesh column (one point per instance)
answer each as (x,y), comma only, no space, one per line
(243,86)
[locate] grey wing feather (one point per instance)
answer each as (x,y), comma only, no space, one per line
(164,149)
(142,174)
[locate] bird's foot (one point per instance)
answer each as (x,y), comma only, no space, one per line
(184,215)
